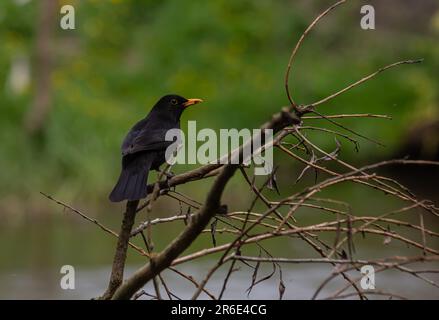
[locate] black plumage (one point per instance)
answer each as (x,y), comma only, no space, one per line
(144,147)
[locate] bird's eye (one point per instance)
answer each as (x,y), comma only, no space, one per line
(174,102)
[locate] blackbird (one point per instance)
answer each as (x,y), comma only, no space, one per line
(144,147)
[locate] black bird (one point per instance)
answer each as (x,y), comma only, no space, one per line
(144,147)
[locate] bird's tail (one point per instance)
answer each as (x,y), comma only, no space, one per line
(132,183)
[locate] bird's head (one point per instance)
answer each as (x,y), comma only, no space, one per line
(174,105)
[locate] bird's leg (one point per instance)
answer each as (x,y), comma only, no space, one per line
(169,174)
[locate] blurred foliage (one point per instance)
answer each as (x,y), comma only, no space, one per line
(124,55)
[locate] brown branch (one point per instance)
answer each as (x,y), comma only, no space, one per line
(353,115)
(164,259)
(199,221)
(376,293)
(381,262)
(96,222)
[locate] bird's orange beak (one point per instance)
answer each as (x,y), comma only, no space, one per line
(191,102)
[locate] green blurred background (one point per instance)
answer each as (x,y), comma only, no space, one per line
(124,55)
